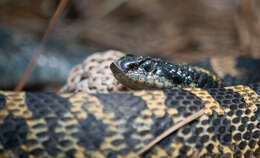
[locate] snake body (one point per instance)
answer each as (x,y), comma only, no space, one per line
(57,59)
(118,125)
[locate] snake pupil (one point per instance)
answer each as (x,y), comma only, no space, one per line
(148,66)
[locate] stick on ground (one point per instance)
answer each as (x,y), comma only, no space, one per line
(171,130)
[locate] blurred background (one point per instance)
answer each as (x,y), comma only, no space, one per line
(181,31)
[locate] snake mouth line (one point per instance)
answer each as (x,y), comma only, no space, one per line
(114,68)
(118,73)
(122,77)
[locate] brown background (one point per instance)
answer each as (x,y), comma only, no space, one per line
(179,30)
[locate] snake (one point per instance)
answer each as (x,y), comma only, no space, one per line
(57,59)
(118,125)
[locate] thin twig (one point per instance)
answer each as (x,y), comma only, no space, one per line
(36,55)
(196,154)
(171,130)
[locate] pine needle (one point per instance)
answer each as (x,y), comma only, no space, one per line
(36,55)
(171,130)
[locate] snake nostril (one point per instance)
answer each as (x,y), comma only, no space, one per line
(129,65)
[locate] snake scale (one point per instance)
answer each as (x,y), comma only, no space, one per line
(118,125)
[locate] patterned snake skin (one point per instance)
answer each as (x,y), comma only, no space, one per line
(118,125)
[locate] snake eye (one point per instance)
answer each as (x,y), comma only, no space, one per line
(148,66)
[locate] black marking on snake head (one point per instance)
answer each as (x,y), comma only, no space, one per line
(13,132)
(138,72)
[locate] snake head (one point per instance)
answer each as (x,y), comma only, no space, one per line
(138,72)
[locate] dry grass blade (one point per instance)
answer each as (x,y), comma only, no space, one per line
(50,28)
(171,130)
(196,154)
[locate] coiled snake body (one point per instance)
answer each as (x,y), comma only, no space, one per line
(120,124)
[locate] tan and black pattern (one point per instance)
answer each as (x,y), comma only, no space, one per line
(232,70)
(119,124)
